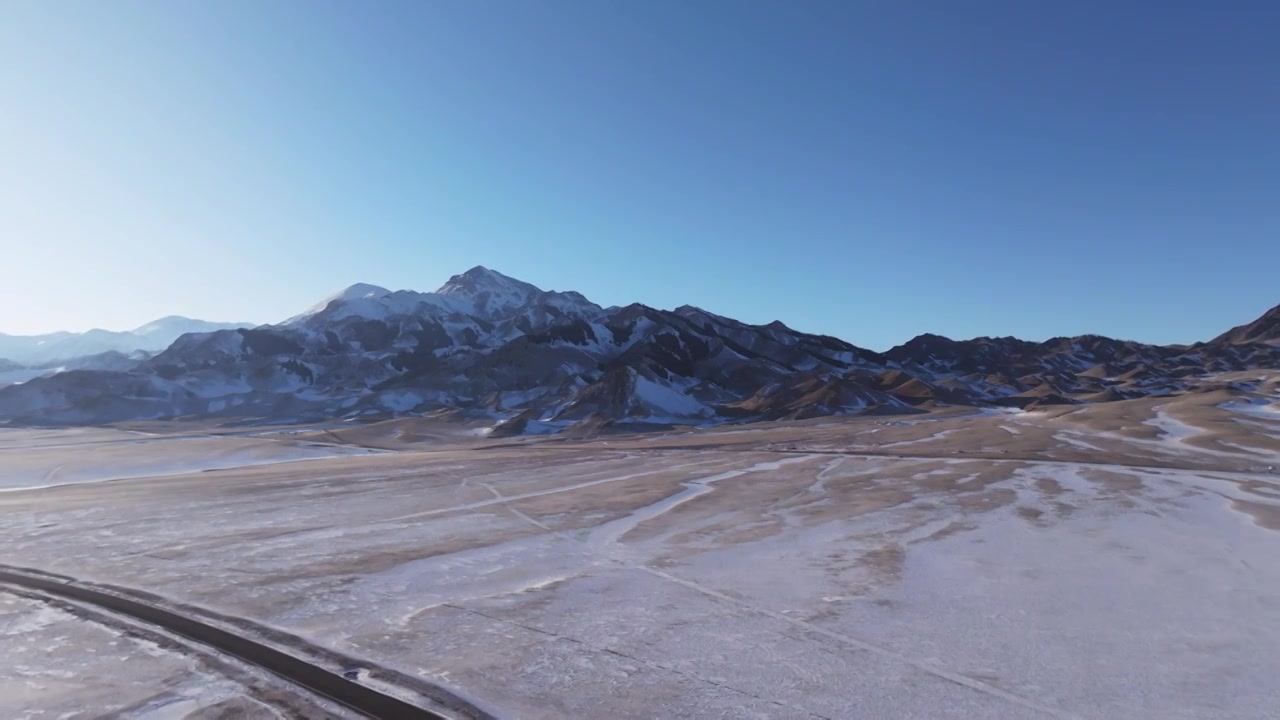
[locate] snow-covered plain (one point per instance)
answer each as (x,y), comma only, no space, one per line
(57,665)
(712,574)
(1267,409)
(29,460)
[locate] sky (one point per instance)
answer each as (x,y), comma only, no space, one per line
(869,170)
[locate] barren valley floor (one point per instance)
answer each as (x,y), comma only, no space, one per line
(1105,561)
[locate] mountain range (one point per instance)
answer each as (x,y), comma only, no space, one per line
(489,348)
(34,351)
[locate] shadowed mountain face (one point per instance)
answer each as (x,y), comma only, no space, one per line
(489,347)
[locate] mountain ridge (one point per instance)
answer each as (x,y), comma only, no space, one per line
(487,347)
(36,350)
(1266,329)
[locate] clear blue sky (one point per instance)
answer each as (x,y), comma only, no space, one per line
(871,170)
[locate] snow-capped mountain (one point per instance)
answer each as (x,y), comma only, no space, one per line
(488,347)
(170,328)
(37,351)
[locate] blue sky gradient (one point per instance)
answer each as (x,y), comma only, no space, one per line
(871,170)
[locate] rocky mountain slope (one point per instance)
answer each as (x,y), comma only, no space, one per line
(1265,329)
(486,347)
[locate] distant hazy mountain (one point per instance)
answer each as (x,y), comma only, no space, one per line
(36,350)
(13,373)
(488,347)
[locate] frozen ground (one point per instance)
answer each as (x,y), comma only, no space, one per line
(1098,563)
(59,665)
(46,458)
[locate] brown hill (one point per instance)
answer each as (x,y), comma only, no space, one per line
(1265,329)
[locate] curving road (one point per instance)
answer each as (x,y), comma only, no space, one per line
(319,680)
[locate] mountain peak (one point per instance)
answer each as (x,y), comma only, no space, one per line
(162,323)
(169,328)
(358,291)
(484,290)
(481,279)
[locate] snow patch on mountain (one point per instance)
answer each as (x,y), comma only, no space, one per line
(668,402)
